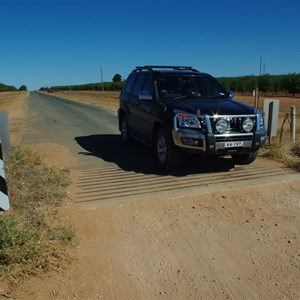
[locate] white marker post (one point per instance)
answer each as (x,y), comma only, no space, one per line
(4,148)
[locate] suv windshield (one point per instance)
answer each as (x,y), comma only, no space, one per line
(175,87)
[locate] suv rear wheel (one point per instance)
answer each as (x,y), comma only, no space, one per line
(244,159)
(124,131)
(167,155)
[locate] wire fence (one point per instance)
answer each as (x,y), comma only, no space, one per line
(290,119)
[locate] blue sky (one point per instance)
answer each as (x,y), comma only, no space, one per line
(62,42)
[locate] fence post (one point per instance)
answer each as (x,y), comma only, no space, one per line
(4,148)
(270,121)
(4,132)
(293,124)
(4,202)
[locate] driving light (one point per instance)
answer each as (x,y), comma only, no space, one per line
(221,125)
(248,124)
(188,121)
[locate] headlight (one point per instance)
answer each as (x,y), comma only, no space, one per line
(188,121)
(261,120)
(248,124)
(221,125)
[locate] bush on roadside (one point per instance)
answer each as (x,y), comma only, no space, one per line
(287,153)
(33,239)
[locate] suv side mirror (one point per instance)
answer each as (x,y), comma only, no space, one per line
(145,95)
(230,94)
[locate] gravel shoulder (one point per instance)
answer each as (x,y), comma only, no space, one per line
(232,244)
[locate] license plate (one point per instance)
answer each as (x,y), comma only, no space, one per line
(233,144)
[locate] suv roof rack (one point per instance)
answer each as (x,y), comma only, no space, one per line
(180,68)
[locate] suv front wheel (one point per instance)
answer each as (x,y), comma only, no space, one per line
(167,155)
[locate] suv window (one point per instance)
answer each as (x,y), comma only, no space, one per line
(138,84)
(129,83)
(148,86)
(182,86)
(212,88)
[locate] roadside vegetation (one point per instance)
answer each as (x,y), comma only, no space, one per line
(287,153)
(107,86)
(33,238)
(7,88)
(271,84)
(11,88)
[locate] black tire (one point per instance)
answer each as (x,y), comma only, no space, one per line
(125,135)
(168,157)
(245,158)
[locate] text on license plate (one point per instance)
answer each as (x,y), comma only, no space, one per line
(233,144)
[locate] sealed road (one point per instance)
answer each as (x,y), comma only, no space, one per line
(60,121)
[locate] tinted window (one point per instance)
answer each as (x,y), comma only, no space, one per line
(139,84)
(129,83)
(188,87)
(211,87)
(148,84)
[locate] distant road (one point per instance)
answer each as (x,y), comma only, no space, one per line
(68,123)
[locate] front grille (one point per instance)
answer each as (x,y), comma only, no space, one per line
(233,138)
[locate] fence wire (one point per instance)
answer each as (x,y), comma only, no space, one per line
(290,123)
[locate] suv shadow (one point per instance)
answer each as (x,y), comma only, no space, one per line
(140,159)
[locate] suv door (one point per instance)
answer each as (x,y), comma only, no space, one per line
(126,101)
(141,110)
(145,112)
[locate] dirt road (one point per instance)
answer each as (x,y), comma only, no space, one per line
(230,243)
(233,244)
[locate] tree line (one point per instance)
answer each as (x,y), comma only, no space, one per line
(116,85)
(107,86)
(11,88)
(271,84)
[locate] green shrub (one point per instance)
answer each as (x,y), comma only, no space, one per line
(33,239)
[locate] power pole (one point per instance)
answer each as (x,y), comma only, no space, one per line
(102,79)
(257,90)
(260,65)
(70,83)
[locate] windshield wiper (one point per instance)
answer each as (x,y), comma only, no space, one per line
(187,96)
(219,96)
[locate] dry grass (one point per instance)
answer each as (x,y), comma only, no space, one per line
(9,96)
(16,104)
(287,153)
(108,100)
(33,239)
